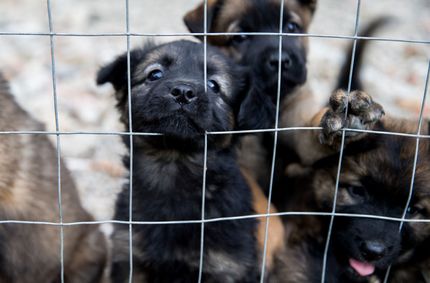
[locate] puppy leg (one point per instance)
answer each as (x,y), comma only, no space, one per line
(276,233)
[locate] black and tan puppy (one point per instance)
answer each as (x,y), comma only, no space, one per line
(375,179)
(168,97)
(28,192)
(260,53)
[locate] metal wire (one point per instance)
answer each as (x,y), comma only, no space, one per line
(329,36)
(130,129)
(421,136)
(417,145)
(58,133)
(205,153)
(218,219)
(275,142)
(339,167)
(58,144)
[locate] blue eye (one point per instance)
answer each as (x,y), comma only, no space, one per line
(155,75)
(214,86)
(293,27)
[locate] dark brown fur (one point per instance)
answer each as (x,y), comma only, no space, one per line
(28,191)
(375,179)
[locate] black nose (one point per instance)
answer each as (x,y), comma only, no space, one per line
(274,58)
(372,250)
(183,94)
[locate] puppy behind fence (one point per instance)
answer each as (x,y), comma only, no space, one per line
(58,133)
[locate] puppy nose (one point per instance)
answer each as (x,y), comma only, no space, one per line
(372,250)
(274,58)
(183,94)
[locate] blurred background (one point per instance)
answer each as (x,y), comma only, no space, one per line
(394,73)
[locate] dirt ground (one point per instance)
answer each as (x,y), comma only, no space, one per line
(394,73)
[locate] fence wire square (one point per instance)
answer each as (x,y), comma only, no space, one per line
(127,35)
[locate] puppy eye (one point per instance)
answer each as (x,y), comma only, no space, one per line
(293,27)
(416,210)
(214,86)
(239,38)
(155,75)
(357,192)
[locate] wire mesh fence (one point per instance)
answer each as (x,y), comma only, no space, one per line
(127,35)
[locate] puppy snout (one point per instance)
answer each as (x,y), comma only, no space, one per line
(372,250)
(183,94)
(274,58)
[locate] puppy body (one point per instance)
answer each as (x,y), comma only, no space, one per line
(375,179)
(28,191)
(168,169)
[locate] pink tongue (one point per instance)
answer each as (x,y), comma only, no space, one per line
(362,268)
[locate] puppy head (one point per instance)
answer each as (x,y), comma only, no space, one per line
(168,90)
(261,53)
(376,182)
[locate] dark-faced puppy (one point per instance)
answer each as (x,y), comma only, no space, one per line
(168,97)
(375,179)
(260,52)
(28,192)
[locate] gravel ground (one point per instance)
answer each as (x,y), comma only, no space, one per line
(394,73)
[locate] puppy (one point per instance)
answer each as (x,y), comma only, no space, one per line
(28,192)
(261,55)
(168,97)
(374,180)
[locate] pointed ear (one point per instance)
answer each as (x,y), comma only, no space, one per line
(243,84)
(257,111)
(194,19)
(310,4)
(114,73)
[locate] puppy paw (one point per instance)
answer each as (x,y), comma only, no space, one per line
(363,113)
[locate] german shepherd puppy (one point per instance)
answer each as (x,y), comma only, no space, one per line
(28,192)
(168,97)
(375,179)
(260,53)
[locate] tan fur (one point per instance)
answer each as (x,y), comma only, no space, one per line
(234,9)
(276,234)
(28,191)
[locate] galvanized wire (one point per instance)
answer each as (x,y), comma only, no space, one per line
(339,168)
(58,133)
(58,144)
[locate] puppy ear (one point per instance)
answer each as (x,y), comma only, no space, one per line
(310,4)
(114,73)
(257,111)
(194,19)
